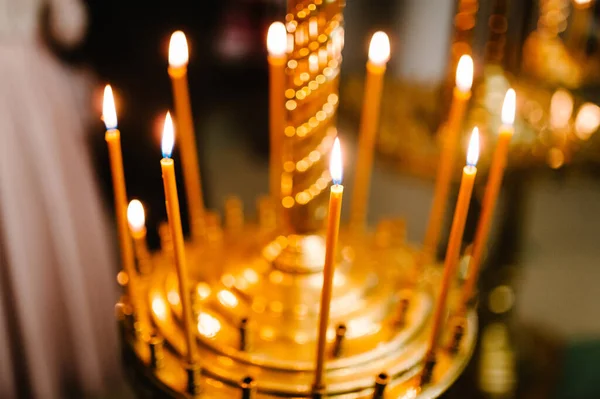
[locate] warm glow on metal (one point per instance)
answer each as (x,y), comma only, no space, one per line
(587,120)
(473,151)
(208,325)
(227,298)
(203,290)
(136,216)
(109,113)
(178,50)
(410,394)
(173,297)
(379,49)
(159,307)
(168,138)
(561,109)
(335,165)
(277,39)
(464,73)
(509,107)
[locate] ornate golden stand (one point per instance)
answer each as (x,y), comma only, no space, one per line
(256,285)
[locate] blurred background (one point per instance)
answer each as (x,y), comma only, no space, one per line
(540,324)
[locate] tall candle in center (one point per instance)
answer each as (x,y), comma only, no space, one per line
(178,60)
(172,203)
(453,251)
(490,196)
(277,47)
(379,54)
(450,138)
(331,240)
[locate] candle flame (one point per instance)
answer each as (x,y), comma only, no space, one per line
(379,49)
(587,120)
(582,2)
(464,73)
(277,39)
(335,165)
(109,113)
(136,216)
(168,138)
(178,50)
(509,107)
(473,151)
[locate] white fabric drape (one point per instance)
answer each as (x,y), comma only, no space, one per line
(57,265)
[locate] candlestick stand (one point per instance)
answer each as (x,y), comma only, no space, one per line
(255,285)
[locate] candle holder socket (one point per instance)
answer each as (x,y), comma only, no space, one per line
(157,355)
(248,386)
(340,333)
(381,382)
(193,371)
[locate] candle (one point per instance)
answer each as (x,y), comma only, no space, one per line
(490,196)
(579,28)
(379,54)
(451,134)
(178,60)
(172,203)
(333,228)
(276,46)
(113,140)
(137,226)
(454,244)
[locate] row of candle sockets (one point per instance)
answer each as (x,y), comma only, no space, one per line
(247,385)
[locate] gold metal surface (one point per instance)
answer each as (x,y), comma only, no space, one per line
(281,308)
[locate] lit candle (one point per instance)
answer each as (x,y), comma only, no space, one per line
(579,28)
(450,138)
(178,60)
(490,196)
(379,54)
(277,46)
(172,203)
(453,250)
(333,228)
(113,140)
(137,226)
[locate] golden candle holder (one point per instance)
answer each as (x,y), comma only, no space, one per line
(254,285)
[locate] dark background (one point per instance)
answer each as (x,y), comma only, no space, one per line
(127,47)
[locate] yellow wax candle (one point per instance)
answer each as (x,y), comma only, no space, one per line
(333,228)
(172,203)
(451,135)
(113,140)
(454,244)
(490,196)
(178,60)
(277,46)
(137,226)
(579,26)
(379,54)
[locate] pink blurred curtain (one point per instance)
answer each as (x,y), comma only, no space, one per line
(57,330)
